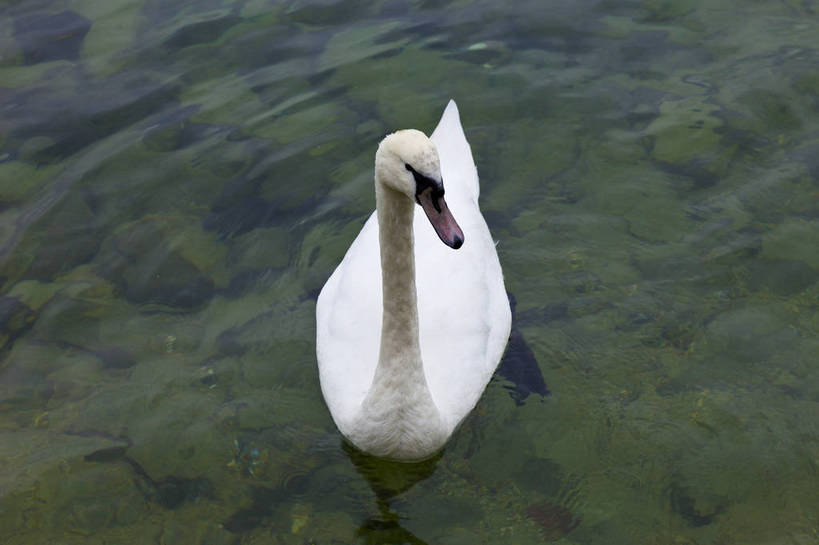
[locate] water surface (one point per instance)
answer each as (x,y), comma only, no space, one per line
(178,180)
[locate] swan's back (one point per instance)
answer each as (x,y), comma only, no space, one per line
(463,311)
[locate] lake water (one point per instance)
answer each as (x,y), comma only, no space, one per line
(178,179)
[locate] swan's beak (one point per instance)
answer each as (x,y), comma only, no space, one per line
(434,205)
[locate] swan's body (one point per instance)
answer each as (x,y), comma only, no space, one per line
(399,373)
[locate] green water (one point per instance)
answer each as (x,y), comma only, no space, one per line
(178,179)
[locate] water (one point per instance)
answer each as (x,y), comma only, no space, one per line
(178,179)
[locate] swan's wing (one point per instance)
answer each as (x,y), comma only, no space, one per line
(463,313)
(348,325)
(457,166)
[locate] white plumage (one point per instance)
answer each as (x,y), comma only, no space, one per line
(401,390)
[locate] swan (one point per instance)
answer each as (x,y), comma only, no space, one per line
(414,320)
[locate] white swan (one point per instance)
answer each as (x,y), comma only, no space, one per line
(399,373)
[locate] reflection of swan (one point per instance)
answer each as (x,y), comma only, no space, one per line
(400,375)
(389,478)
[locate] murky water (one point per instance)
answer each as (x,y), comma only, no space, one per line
(178,180)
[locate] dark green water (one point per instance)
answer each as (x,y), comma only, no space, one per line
(178,179)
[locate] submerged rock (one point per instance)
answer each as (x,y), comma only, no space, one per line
(201,32)
(780,276)
(794,240)
(750,334)
(26,178)
(170,280)
(50,37)
(155,261)
(555,521)
(684,140)
(174,130)
(68,236)
(15,319)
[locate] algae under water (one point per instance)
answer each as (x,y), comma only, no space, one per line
(178,179)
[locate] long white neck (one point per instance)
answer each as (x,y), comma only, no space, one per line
(400,353)
(398,416)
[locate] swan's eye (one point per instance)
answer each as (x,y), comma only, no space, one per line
(422,182)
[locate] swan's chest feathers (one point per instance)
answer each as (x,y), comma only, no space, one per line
(396,421)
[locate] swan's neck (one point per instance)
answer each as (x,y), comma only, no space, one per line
(398,415)
(400,353)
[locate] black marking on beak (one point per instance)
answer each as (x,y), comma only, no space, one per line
(425,182)
(436,195)
(429,194)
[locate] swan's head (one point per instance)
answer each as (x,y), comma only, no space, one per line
(407,162)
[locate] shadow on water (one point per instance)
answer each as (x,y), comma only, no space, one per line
(519,365)
(388,479)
